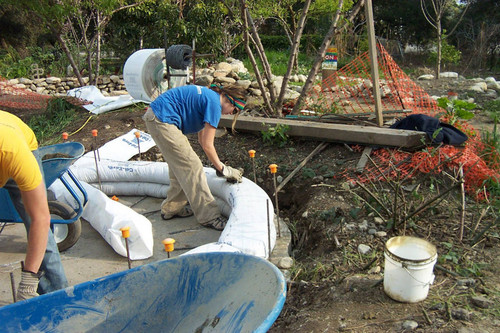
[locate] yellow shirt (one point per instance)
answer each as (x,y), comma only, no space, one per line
(17,141)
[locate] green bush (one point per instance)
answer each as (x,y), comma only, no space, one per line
(449,54)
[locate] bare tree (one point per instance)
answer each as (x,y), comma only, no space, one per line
(322,51)
(434,16)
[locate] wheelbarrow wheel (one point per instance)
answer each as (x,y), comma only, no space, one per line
(65,234)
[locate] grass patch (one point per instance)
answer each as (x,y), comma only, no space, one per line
(48,126)
(278,60)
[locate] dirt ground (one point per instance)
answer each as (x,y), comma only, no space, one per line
(333,287)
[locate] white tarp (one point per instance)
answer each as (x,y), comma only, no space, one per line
(101,103)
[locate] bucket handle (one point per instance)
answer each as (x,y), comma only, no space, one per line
(422,283)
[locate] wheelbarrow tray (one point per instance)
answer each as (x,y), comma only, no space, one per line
(64,154)
(204,292)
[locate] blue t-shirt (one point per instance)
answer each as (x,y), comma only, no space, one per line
(188,108)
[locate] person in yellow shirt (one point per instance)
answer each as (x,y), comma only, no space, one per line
(22,175)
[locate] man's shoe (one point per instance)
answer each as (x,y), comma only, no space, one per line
(186,211)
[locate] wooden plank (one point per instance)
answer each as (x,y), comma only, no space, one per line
(363,159)
(353,134)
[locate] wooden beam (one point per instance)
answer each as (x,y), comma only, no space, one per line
(372,50)
(352,134)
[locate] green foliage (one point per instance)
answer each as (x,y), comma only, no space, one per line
(276,135)
(12,66)
(491,140)
(456,109)
(449,54)
(278,60)
(59,114)
(308,173)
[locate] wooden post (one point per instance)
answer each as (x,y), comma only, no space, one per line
(374,63)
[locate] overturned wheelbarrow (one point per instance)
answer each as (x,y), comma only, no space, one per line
(204,292)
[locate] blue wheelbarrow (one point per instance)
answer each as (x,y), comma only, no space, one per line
(65,219)
(204,292)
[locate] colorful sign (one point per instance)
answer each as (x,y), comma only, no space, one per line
(330,61)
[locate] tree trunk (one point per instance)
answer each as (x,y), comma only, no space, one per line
(98,47)
(246,38)
(439,45)
(262,55)
(65,48)
(293,54)
(319,58)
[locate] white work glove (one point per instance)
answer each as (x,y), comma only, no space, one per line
(28,285)
(232,175)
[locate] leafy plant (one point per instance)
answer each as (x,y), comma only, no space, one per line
(449,54)
(456,109)
(60,113)
(308,173)
(276,135)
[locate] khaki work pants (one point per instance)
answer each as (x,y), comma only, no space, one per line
(188,182)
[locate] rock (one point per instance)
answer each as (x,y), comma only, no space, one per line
(378,220)
(25,81)
(410,325)
(480,87)
(291,95)
(114,78)
(375,270)
(363,226)
(223,67)
(218,74)
(381,234)
(285,263)
(482,302)
(466,282)
(364,249)
(53,80)
(448,75)
(461,314)
(204,80)
(426,77)
(245,84)
(224,80)
(493,86)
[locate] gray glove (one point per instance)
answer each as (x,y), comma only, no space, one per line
(27,286)
(232,175)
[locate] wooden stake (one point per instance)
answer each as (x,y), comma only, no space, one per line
(319,148)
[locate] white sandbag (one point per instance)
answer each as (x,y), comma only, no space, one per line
(108,216)
(120,171)
(121,148)
(213,247)
(133,189)
(248,228)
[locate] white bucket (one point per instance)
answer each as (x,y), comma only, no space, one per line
(409,265)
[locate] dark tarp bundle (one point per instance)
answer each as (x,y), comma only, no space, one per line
(447,134)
